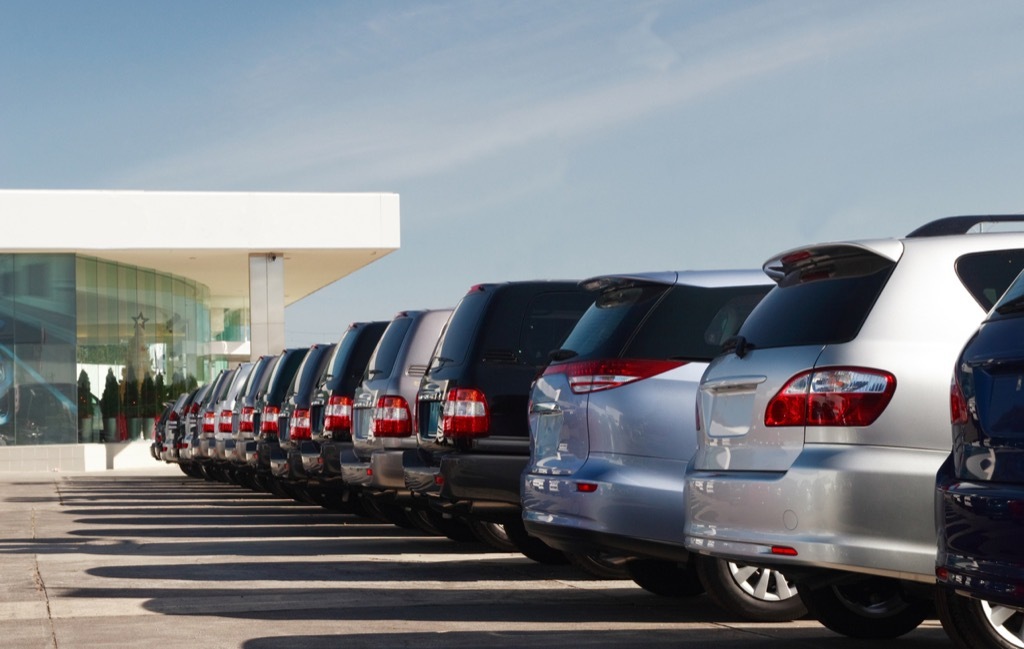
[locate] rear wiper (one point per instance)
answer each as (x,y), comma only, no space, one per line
(562,354)
(736,345)
(1016,305)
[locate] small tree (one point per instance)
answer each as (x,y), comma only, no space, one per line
(147,397)
(110,402)
(161,394)
(131,394)
(84,396)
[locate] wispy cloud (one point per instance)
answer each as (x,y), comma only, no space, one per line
(426,124)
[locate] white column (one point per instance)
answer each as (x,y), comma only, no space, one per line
(266,303)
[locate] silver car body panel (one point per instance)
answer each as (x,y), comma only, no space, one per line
(854,498)
(631,442)
(404,380)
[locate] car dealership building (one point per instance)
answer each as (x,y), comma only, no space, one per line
(148,293)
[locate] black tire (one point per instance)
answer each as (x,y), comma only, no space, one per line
(436,524)
(493,534)
(388,513)
(756,594)
(665,578)
(603,565)
(531,546)
(868,608)
(976,624)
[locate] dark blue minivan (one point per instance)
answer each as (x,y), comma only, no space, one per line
(980,488)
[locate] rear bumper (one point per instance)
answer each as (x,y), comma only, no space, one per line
(633,504)
(355,471)
(481,485)
(979,528)
(866,509)
(387,473)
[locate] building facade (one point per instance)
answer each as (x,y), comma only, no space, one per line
(103,319)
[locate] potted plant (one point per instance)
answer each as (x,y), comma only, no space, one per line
(84,407)
(147,404)
(161,394)
(110,406)
(131,403)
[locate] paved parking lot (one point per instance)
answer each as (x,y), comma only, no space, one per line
(153,558)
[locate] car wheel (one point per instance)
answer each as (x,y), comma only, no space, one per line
(602,565)
(753,593)
(493,534)
(387,513)
(871,608)
(665,578)
(533,547)
(978,624)
(452,528)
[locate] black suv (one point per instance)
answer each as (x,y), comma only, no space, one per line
(294,425)
(473,431)
(330,412)
(266,413)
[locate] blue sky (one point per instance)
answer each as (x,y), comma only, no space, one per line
(532,139)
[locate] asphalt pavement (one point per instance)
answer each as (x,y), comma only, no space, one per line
(153,558)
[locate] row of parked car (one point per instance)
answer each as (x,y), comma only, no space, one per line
(779,440)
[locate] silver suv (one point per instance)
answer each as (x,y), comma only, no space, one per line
(822,426)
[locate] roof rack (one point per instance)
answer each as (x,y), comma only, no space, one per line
(962,224)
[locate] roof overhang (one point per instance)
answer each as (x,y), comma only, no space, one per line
(209,236)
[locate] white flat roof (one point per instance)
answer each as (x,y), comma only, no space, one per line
(208,236)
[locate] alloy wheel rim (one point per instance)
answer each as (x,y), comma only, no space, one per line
(1007,622)
(764,584)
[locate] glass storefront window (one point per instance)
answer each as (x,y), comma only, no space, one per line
(90,349)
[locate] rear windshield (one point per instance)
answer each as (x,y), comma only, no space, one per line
(655,321)
(383,360)
(814,309)
(309,372)
(458,332)
(547,321)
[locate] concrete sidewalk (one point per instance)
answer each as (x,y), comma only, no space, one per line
(154,558)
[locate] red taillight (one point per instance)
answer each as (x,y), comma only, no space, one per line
(299,427)
(209,422)
(593,376)
(338,414)
(174,416)
(957,404)
(840,396)
(586,487)
(391,417)
(465,414)
(224,423)
(268,419)
(245,419)
(784,550)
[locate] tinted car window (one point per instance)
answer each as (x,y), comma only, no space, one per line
(309,371)
(351,355)
(548,320)
(985,273)
(458,332)
(814,310)
(690,323)
(605,327)
(658,321)
(1012,302)
(384,357)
